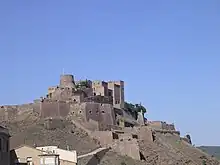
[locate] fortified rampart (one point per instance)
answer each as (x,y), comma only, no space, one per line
(125,143)
(53,108)
(161,125)
(60,93)
(127,146)
(93,116)
(143,132)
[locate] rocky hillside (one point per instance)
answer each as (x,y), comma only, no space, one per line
(167,149)
(109,158)
(35,132)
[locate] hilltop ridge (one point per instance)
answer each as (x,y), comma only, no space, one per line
(87,115)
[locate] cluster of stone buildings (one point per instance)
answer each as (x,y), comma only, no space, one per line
(111,92)
(98,107)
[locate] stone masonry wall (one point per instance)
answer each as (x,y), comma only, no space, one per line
(108,117)
(102,113)
(51,108)
(127,147)
(93,116)
(143,132)
(161,125)
(104,137)
(77,110)
(123,143)
(61,94)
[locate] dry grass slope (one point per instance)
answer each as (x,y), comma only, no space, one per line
(34,133)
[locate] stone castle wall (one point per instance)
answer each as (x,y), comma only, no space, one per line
(94,116)
(104,137)
(101,113)
(61,94)
(123,143)
(143,132)
(78,111)
(53,108)
(161,125)
(127,146)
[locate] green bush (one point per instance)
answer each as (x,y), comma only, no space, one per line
(135,107)
(83,83)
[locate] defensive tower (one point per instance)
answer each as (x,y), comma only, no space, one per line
(67,81)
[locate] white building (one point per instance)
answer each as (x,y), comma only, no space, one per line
(46,155)
(65,155)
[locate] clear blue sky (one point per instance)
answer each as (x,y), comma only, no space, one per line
(167,52)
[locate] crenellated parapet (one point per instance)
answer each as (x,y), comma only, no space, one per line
(161,125)
(167,131)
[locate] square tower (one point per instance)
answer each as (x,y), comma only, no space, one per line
(100,88)
(117,88)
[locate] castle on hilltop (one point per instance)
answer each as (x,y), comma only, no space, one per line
(96,105)
(111,92)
